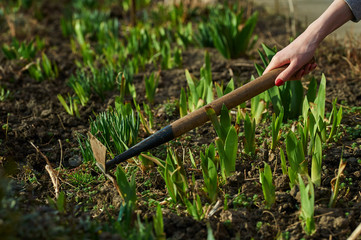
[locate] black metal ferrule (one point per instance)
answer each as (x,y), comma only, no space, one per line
(162,136)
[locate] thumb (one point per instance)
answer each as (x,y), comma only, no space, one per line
(286,74)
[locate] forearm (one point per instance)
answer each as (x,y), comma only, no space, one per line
(337,14)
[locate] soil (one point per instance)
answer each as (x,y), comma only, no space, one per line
(33,114)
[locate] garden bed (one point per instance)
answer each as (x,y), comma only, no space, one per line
(32,113)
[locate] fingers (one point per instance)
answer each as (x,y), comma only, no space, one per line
(291,73)
(286,74)
(276,63)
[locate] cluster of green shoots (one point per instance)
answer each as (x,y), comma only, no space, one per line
(40,68)
(305,142)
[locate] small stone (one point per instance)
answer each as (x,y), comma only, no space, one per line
(75,161)
(340,223)
(45,113)
(352,160)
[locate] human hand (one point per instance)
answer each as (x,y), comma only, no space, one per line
(297,55)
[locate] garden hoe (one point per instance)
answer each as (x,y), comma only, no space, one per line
(188,122)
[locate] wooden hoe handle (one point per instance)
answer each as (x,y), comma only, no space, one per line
(230,100)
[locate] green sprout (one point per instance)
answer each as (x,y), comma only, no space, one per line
(229,88)
(209,170)
(203,37)
(72,108)
(276,126)
(126,187)
(158,224)
(196,209)
(249,135)
(43,69)
(316,166)
(268,187)
(227,141)
(200,91)
(335,182)
(335,118)
(151,84)
(296,157)
(175,177)
(22,50)
(307,206)
(4,93)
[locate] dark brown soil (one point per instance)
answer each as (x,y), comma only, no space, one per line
(34,114)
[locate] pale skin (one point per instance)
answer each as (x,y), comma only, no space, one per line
(300,52)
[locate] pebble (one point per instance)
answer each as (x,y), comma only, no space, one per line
(75,161)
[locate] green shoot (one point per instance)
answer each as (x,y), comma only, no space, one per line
(203,37)
(335,118)
(335,182)
(195,209)
(4,93)
(183,103)
(276,125)
(23,50)
(158,224)
(227,141)
(307,206)
(209,170)
(316,166)
(283,162)
(147,123)
(200,91)
(72,107)
(175,177)
(151,84)
(268,187)
(296,157)
(229,88)
(127,188)
(249,136)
